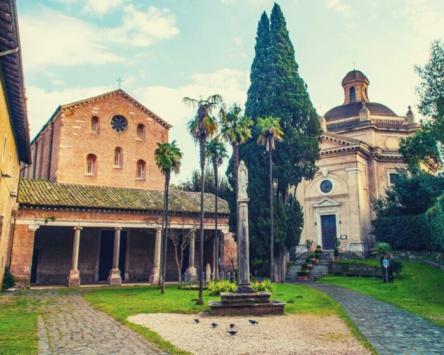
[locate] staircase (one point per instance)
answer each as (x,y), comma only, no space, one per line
(318,270)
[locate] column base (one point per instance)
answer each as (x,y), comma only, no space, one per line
(191,275)
(74,278)
(155,276)
(114,277)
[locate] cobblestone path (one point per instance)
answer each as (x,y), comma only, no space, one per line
(389,329)
(70,326)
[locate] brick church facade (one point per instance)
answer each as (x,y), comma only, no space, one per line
(90,205)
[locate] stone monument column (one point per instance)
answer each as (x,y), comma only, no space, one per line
(242,231)
(74,274)
(155,273)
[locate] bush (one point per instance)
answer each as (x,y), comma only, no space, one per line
(435,219)
(8,280)
(262,286)
(215,288)
(382,248)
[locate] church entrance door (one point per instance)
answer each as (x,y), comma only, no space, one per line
(328,230)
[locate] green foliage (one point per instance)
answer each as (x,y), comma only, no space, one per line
(8,280)
(277,90)
(216,152)
(262,286)
(426,145)
(435,219)
(400,219)
(193,184)
(270,132)
(383,248)
(168,157)
(215,288)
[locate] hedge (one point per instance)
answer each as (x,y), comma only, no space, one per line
(435,221)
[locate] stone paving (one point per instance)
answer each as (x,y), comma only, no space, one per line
(69,325)
(389,329)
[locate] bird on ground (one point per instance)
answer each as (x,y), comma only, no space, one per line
(214,325)
(232,325)
(196,321)
(232,332)
(253,322)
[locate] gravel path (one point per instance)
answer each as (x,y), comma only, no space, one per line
(292,334)
(389,329)
(70,326)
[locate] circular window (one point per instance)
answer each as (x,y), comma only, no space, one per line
(326,186)
(119,123)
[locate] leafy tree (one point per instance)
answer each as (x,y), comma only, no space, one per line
(216,153)
(277,90)
(426,145)
(168,157)
(270,133)
(202,127)
(193,184)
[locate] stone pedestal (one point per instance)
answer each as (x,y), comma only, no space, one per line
(249,303)
(114,278)
(74,278)
(191,275)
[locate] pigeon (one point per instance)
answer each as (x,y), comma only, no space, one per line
(232,332)
(196,321)
(214,325)
(232,325)
(253,322)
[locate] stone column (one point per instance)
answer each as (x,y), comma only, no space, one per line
(115,278)
(74,274)
(191,273)
(21,253)
(155,272)
(242,232)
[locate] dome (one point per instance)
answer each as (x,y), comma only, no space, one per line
(353,76)
(352,110)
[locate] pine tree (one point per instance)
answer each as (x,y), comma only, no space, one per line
(277,89)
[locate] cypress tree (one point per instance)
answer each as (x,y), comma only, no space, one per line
(277,89)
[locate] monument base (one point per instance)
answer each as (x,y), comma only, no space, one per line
(248,303)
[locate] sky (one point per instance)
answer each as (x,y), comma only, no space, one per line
(163,50)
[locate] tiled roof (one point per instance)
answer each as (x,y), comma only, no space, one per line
(44,193)
(352,110)
(11,66)
(354,75)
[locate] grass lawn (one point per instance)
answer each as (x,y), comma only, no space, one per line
(18,324)
(419,290)
(120,303)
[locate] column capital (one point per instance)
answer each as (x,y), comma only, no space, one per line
(118,228)
(78,228)
(33,227)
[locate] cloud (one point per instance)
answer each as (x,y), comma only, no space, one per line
(101,7)
(143,28)
(237,41)
(339,6)
(43,35)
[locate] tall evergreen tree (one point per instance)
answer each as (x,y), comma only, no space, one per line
(276,89)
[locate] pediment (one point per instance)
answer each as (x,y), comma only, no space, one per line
(332,141)
(327,202)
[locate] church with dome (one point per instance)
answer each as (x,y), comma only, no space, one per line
(359,157)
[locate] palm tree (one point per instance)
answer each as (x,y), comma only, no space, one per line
(168,157)
(216,153)
(235,129)
(270,133)
(202,127)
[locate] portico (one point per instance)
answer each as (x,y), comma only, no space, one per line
(76,245)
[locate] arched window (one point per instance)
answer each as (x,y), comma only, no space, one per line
(118,157)
(91,164)
(141,170)
(95,124)
(352,94)
(140,131)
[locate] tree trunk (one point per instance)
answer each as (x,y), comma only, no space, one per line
(202,215)
(165,233)
(270,178)
(280,268)
(175,241)
(216,234)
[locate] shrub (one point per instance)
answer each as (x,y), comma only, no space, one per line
(383,248)
(215,288)
(8,280)
(261,286)
(435,219)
